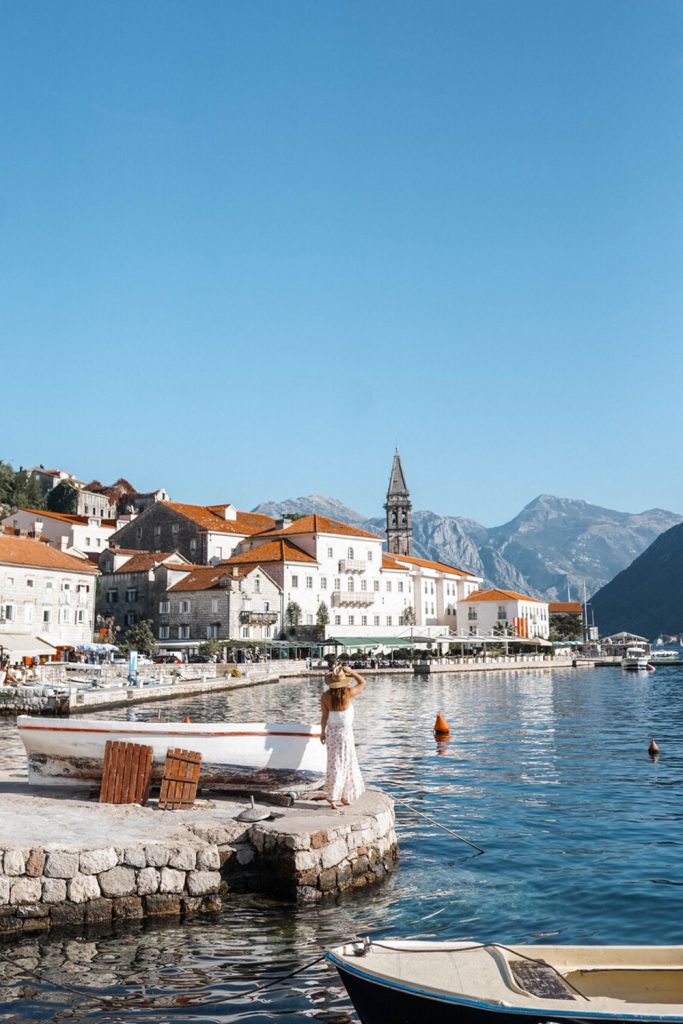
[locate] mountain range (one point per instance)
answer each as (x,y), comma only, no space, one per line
(551,548)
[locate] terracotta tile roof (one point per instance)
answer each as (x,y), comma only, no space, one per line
(320,524)
(143,561)
(405,561)
(565,606)
(273,551)
(501,595)
(26,551)
(43,513)
(205,577)
(209,517)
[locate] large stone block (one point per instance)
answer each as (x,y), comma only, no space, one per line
(296,841)
(94,862)
(61,865)
(334,853)
(35,862)
(328,880)
(147,881)
(128,908)
(245,855)
(25,890)
(208,859)
(67,913)
(200,883)
(119,881)
(54,890)
(134,857)
(308,894)
(4,890)
(83,888)
(15,862)
(183,859)
(157,856)
(304,860)
(97,911)
(162,905)
(171,880)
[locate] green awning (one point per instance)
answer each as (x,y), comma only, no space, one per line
(370,641)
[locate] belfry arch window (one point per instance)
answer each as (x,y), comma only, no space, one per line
(394,519)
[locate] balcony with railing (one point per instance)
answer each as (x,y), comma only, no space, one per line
(258,618)
(352,597)
(351,565)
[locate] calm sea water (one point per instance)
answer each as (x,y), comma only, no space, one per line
(547,771)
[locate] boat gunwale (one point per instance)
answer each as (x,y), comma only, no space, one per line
(495,1007)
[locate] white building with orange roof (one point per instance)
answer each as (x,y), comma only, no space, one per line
(47,597)
(81,536)
(368,593)
(500,611)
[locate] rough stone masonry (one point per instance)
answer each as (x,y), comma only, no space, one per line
(72,862)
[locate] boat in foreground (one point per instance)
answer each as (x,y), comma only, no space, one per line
(414,982)
(235,755)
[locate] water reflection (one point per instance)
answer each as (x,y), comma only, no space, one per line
(548,772)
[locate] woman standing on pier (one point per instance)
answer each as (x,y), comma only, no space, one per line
(343,780)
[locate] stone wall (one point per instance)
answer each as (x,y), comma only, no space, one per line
(302,857)
(41,889)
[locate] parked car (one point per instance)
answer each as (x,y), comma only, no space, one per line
(168,658)
(200,659)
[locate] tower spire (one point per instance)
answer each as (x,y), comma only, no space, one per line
(399,511)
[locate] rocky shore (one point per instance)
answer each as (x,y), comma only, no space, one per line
(76,863)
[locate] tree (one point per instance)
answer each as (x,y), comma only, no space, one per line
(322,617)
(19,489)
(63,498)
(211,647)
(139,637)
(293,613)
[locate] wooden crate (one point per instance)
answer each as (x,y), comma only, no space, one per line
(180,781)
(126,773)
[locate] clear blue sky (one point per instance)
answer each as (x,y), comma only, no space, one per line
(248,247)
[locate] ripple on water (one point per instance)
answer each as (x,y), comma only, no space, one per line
(548,772)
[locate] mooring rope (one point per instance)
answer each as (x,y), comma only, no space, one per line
(438,824)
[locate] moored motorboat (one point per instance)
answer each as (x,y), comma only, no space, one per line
(635,659)
(413,982)
(235,755)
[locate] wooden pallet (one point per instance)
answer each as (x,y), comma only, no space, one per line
(180,781)
(126,773)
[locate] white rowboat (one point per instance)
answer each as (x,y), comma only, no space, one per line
(476,983)
(235,755)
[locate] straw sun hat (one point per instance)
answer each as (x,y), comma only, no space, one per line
(337,678)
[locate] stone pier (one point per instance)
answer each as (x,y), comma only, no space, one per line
(66,861)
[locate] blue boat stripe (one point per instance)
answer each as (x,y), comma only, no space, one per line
(498,1008)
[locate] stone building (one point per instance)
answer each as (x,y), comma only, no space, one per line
(46,598)
(186,604)
(89,503)
(399,512)
(204,535)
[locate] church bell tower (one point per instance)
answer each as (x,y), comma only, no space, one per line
(399,511)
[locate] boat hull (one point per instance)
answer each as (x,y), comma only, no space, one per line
(414,981)
(245,755)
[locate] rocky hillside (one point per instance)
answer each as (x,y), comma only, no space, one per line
(551,544)
(647,597)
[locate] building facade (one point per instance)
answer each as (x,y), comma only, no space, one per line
(204,535)
(44,594)
(81,536)
(504,612)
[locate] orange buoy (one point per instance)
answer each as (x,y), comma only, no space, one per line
(653,749)
(186,718)
(441,726)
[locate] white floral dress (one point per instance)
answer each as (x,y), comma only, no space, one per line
(343,780)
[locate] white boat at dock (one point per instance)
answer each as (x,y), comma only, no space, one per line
(476,983)
(635,659)
(235,755)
